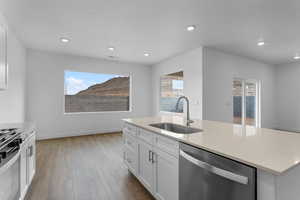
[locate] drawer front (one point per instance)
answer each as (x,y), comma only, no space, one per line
(168,145)
(146,136)
(130,129)
(130,142)
(130,159)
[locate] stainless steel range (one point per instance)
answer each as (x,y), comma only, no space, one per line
(10,140)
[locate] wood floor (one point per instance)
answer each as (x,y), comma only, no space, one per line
(84,168)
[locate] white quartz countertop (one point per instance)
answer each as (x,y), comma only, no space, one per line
(266,149)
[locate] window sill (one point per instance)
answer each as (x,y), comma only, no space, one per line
(99,112)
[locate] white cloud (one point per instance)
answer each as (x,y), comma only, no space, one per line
(74,85)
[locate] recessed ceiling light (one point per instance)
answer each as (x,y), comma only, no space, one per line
(64,40)
(111,48)
(261,43)
(146,54)
(297,57)
(191,28)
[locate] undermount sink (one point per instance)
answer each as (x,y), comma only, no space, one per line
(175,128)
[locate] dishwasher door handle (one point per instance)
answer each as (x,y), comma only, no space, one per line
(215,170)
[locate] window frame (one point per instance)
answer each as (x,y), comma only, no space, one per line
(98,112)
(162,112)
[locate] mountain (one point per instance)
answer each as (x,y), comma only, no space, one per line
(118,86)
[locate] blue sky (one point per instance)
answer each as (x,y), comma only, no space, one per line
(177,84)
(77,81)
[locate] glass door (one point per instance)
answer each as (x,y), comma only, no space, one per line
(238,101)
(246,106)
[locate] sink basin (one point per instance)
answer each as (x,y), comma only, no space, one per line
(175,128)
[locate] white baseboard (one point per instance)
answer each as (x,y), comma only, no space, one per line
(50,135)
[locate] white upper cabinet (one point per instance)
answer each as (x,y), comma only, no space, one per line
(3,58)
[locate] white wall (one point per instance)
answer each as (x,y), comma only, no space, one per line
(219,69)
(46,89)
(191,65)
(288,96)
(12,100)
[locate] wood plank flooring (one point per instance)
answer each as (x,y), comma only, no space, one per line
(84,168)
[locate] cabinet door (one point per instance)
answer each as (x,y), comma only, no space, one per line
(145,165)
(130,159)
(3,58)
(165,176)
(31,159)
(23,170)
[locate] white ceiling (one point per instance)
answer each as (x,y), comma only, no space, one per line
(158,27)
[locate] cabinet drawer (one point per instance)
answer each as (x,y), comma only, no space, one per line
(146,136)
(130,129)
(130,142)
(130,159)
(168,145)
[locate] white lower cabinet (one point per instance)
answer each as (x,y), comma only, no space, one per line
(23,169)
(165,176)
(27,169)
(130,158)
(146,165)
(31,157)
(157,168)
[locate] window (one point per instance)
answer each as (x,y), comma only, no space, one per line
(246,106)
(93,92)
(171,87)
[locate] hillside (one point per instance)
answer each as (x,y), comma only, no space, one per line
(114,87)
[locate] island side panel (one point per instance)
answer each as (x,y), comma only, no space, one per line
(288,184)
(266,185)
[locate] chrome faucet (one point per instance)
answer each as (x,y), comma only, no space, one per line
(188,120)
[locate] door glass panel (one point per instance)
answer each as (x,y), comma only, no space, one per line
(237,101)
(251,104)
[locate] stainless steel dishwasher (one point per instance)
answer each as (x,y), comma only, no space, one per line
(207,176)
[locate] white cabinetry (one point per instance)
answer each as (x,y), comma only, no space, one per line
(27,169)
(3,57)
(153,159)
(146,165)
(166,176)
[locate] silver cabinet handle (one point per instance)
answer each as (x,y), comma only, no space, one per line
(149,155)
(152,156)
(215,170)
(30,151)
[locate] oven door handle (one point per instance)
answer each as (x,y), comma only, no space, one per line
(10,162)
(215,170)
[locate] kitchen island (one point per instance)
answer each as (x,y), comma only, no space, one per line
(275,154)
